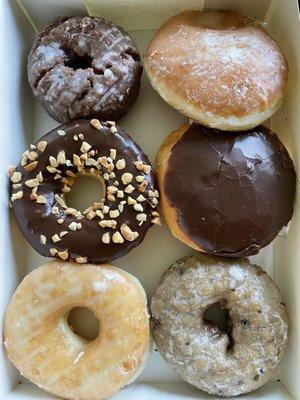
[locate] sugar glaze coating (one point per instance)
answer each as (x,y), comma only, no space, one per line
(41,344)
(82,67)
(219,68)
(197,350)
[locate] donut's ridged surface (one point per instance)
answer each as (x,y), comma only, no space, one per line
(42,346)
(82,67)
(219,68)
(198,351)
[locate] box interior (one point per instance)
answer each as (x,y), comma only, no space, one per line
(149,121)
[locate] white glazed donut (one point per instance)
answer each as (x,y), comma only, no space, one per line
(219,68)
(40,343)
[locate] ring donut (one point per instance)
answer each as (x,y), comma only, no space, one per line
(221,363)
(108,229)
(84,67)
(40,343)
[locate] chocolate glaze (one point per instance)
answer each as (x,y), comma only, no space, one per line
(82,67)
(37,219)
(233,192)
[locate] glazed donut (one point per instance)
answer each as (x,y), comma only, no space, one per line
(219,68)
(223,193)
(41,345)
(82,67)
(220,363)
(107,229)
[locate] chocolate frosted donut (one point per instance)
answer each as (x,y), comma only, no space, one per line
(108,229)
(222,363)
(82,67)
(224,193)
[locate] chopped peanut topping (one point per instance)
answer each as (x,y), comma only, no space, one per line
(63,255)
(17,196)
(16,177)
(81,260)
(117,238)
(127,233)
(106,238)
(126,178)
(121,164)
(30,167)
(96,123)
(43,239)
(42,145)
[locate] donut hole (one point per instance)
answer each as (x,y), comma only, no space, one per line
(217,316)
(86,190)
(84,323)
(79,62)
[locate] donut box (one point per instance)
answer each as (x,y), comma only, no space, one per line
(149,121)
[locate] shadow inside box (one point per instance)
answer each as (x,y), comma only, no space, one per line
(180,389)
(19,248)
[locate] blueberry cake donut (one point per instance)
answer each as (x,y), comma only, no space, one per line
(228,363)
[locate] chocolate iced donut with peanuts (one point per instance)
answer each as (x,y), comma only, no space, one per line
(44,348)
(109,228)
(226,362)
(225,193)
(84,67)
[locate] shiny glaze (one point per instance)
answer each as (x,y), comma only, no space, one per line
(232,192)
(81,67)
(36,219)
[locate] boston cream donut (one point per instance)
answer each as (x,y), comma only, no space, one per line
(228,362)
(219,68)
(224,193)
(41,345)
(109,228)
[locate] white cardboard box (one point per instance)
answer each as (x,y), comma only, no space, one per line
(149,121)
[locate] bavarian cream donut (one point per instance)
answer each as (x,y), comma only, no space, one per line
(223,363)
(219,68)
(110,227)
(41,345)
(225,193)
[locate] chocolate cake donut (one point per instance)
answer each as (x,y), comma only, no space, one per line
(223,363)
(106,230)
(225,193)
(82,67)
